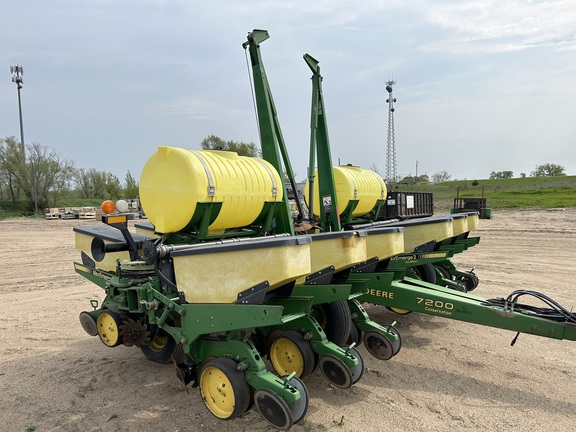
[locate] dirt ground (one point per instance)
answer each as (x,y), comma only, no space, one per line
(449,375)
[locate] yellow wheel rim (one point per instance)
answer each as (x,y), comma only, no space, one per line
(107,329)
(286,357)
(400,311)
(217,392)
(320,315)
(159,342)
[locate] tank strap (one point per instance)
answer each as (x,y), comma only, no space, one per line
(211,187)
(382,186)
(355,187)
(274,185)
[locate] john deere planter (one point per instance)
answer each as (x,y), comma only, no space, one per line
(216,290)
(222,276)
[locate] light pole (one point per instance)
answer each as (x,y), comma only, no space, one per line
(18,78)
(391,144)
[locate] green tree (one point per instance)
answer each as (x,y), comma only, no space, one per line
(41,177)
(441,176)
(501,174)
(422,178)
(52,174)
(113,187)
(11,169)
(90,182)
(213,142)
(131,188)
(548,170)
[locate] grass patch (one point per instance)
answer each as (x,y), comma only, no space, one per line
(521,193)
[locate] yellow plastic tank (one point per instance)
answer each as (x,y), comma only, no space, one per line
(473,220)
(420,231)
(175,180)
(222,273)
(352,183)
(384,242)
(459,224)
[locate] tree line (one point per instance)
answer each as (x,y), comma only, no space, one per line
(39,175)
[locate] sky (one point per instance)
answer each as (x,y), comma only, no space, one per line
(481,86)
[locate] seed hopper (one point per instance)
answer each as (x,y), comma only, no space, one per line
(222,278)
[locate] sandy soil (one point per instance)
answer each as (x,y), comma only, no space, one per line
(448,376)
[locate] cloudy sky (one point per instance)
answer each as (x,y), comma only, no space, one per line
(481,86)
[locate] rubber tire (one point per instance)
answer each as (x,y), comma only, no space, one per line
(335,371)
(355,335)
(300,407)
(443,270)
(304,348)
(424,272)
(268,403)
(164,355)
(337,321)
(240,387)
(358,370)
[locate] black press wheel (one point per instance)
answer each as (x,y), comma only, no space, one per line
(378,345)
(397,344)
(358,370)
(273,408)
(470,280)
(335,371)
(224,389)
(300,407)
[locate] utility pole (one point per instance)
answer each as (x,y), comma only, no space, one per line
(391,144)
(18,78)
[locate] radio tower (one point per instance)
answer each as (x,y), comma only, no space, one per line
(391,147)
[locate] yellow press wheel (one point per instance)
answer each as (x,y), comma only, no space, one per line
(224,390)
(108,324)
(290,352)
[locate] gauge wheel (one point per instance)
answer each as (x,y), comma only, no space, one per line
(290,352)
(108,324)
(398,311)
(224,389)
(162,348)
